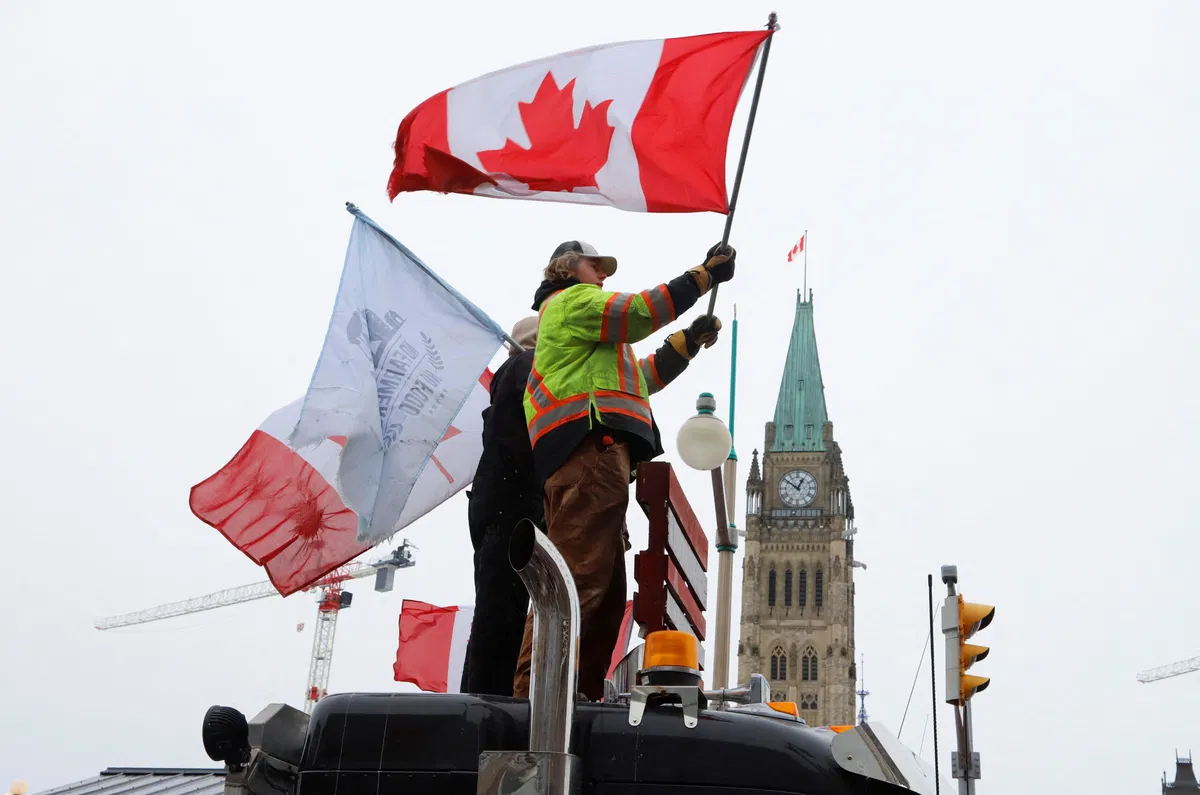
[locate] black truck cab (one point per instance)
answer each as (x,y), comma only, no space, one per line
(657,731)
(431,744)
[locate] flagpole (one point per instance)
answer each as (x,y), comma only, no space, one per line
(737,180)
(475,311)
(726,542)
(805,239)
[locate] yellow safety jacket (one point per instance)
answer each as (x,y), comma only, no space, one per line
(585,369)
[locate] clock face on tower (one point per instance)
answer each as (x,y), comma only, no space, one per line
(797,488)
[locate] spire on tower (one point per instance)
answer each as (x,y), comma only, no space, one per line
(862,691)
(800,414)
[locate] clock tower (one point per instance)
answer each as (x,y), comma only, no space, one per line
(797,625)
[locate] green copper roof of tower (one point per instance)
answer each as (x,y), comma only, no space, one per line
(800,409)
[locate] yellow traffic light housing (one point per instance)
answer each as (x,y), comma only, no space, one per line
(973,617)
(960,621)
(972,654)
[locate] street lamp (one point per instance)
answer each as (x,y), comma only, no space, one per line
(704,441)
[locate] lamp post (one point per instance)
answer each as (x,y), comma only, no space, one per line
(704,441)
(705,444)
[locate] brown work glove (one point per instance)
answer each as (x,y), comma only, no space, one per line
(702,333)
(704,330)
(718,267)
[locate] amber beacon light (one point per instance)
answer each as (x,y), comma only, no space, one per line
(670,649)
(671,658)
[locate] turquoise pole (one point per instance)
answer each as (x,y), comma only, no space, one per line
(733,383)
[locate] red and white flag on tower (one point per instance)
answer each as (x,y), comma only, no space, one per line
(798,248)
(637,125)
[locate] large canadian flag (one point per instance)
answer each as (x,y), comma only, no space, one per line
(638,125)
(279,506)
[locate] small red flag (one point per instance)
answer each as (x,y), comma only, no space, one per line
(433,645)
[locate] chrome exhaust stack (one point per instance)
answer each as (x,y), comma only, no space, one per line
(548,767)
(554,672)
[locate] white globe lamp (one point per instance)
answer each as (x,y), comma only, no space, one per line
(704,441)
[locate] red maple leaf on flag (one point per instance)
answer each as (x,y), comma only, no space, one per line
(561,156)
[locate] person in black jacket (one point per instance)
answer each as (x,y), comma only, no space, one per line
(504,492)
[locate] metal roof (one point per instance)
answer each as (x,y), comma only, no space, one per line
(800,409)
(147,781)
(1185,777)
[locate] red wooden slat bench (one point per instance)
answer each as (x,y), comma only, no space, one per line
(671,574)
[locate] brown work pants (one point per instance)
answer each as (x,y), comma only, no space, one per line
(586,501)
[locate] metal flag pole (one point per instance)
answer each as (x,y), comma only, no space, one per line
(723,496)
(482,317)
(772,26)
(805,239)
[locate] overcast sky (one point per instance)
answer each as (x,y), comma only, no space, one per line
(1002,208)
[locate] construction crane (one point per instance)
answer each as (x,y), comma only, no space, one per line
(331,599)
(1167,671)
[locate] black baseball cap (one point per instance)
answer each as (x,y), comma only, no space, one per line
(609,264)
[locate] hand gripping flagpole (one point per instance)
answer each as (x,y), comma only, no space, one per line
(772,25)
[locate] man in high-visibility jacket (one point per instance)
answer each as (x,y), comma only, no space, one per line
(590,423)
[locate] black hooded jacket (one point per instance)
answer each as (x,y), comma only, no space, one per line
(506,489)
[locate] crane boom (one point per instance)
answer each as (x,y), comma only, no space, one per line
(1167,671)
(245,593)
(331,600)
(230,596)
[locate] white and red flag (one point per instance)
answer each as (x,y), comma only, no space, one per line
(402,355)
(637,125)
(433,645)
(798,248)
(279,506)
(390,428)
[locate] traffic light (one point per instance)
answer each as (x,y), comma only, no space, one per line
(960,621)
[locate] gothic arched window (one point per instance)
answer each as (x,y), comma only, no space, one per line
(808,665)
(787,588)
(819,589)
(771,588)
(803,600)
(778,663)
(808,702)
